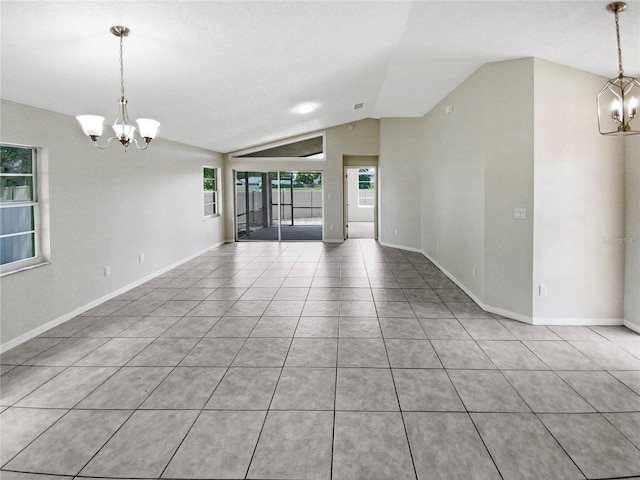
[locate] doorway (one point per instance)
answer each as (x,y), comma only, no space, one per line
(360,202)
(278,206)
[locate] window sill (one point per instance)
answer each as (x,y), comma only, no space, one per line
(27,267)
(210,217)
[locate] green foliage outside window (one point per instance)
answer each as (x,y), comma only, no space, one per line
(15,160)
(209,179)
(307,178)
(365,179)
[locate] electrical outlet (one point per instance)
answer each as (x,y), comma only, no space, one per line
(437,246)
(141,258)
(107,271)
(475,272)
(395,231)
(332,228)
(520,213)
(542,290)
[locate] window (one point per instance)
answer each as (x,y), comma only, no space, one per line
(210,189)
(366,186)
(18,207)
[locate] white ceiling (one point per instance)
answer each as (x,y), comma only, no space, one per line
(228,75)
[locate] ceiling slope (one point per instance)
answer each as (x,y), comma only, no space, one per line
(226,75)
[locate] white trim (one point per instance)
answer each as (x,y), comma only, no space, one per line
(525,318)
(632,326)
(85,308)
(488,308)
(576,321)
(41,263)
(402,247)
(505,313)
(266,146)
(518,316)
(332,240)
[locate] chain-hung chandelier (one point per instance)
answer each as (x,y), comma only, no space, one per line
(618,99)
(124,131)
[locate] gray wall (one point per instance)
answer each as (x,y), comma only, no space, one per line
(579,202)
(105,208)
(632,234)
(399,182)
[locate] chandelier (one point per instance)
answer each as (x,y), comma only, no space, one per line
(124,131)
(618,99)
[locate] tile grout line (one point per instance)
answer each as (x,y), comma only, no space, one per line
(335,400)
(396,260)
(275,388)
(395,388)
(136,409)
(212,392)
(469,417)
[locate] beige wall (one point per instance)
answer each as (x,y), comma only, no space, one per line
(509,167)
(362,140)
(106,207)
(579,202)
(453,190)
(632,234)
(399,176)
(470,169)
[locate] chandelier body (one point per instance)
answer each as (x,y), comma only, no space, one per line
(618,99)
(124,131)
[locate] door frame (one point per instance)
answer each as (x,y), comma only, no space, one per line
(269,204)
(359,161)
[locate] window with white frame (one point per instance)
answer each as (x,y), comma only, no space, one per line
(210,189)
(19,209)
(366,187)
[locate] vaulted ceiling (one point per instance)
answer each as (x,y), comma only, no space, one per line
(229,75)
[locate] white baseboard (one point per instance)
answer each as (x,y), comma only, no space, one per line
(577,321)
(402,247)
(85,308)
(632,326)
(333,240)
(526,319)
(507,313)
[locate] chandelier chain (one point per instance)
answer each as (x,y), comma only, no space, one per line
(124,131)
(122,67)
(620,71)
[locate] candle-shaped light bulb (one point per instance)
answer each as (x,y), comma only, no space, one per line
(616,111)
(633,107)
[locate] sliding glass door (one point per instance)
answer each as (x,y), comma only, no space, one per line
(279,205)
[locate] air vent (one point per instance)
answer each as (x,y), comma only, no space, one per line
(358,106)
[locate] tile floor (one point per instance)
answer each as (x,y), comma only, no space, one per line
(305,361)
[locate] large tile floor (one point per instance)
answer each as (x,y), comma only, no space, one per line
(305,361)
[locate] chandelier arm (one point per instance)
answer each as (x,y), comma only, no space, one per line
(92,125)
(102,147)
(146,144)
